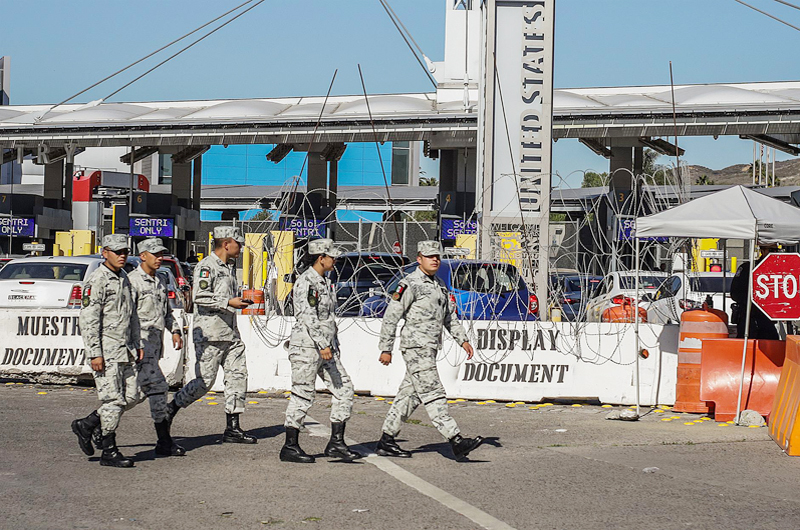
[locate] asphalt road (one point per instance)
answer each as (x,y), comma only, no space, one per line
(551,467)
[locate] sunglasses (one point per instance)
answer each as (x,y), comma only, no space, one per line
(120,252)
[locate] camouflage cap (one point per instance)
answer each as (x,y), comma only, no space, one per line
(152,245)
(234,232)
(115,242)
(430,248)
(324,246)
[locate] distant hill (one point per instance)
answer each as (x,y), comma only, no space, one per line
(787,171)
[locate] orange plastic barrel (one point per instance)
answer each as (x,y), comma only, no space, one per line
(257,307)
(696,325)
(622,313)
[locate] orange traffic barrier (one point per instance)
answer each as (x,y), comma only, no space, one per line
(720,373)
(622,313)
(696,326)
(786,407)
(257,307)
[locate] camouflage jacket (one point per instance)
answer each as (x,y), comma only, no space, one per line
(424,303)
(108,320)
(152,304)
(314,312)
(214,285)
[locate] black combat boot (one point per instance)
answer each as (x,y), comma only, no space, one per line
(388,447)
(172,409)
(97,438)
(166,446)
(83,429)
(336,447)
(464,446)
(291,451)
(111,455)
(234,434)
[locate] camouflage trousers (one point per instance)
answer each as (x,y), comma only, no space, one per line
(118,389)
(306,366)
(152,381)
(421,385)
(210,356)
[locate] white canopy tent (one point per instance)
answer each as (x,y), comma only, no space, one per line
(734,213)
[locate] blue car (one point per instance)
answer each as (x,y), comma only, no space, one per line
(481,290)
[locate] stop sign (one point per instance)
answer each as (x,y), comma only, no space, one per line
(776,286)
(397,248)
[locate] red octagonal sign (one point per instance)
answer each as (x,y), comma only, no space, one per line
(776,286)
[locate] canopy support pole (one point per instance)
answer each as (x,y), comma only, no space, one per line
(636,323)
(747,321)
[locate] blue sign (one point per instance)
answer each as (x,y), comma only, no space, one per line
(303,227)
(456,227)
(626,231)
(152,227)
(17,226)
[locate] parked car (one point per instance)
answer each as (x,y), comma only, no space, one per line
(48,281)
(173,288)
(617,288)
(357,276)
(680,292)
(183,277)
(481,290)
(570,293)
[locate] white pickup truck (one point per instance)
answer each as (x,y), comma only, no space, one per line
(51,281)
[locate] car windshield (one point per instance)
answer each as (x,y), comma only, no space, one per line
(572,285)
(43,271)
(373,266)
(628,283)
(711,284)
(487,278)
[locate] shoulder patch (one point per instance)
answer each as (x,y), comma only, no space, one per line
(205,272)
(398,293)
(204,284)
(313,297)
(87,293)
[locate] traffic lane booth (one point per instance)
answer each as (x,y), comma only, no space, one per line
(46,345)
(514,361)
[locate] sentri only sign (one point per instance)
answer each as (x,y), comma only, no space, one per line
(776,286)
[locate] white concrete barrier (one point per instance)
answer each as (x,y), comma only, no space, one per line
(47,342)
(531,361)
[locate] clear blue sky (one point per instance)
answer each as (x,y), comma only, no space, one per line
(291,48)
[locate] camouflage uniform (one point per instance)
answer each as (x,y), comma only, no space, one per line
(314,330)
(424,303)
(216,338)
(155,315)
(110,329)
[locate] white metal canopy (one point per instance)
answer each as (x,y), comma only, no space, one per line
(734,213)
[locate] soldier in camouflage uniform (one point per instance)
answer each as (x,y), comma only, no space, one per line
(150,294)
(216,338)
(314,350)
(110,330)
(422,299)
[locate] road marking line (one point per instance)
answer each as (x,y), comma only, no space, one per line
(459,506)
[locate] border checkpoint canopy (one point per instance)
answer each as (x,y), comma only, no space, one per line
(735,213)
